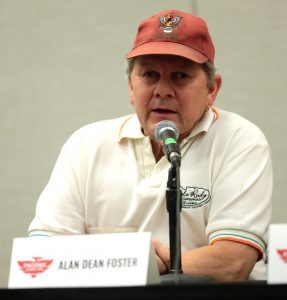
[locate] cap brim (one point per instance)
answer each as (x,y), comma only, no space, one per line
(168,48)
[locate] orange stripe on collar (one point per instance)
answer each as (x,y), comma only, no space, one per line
(216,114)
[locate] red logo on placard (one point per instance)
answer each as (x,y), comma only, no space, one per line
(283,254)
(34,267)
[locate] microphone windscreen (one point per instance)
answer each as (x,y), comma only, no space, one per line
(164,126)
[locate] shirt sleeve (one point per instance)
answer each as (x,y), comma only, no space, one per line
(241,193)
(60,207)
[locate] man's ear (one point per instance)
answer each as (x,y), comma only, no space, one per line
(214,89)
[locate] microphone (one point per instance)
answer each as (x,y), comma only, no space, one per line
(167,132)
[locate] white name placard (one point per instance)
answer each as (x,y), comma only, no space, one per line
(113,259)
(277,254)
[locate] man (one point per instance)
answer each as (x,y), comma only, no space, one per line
(112,174)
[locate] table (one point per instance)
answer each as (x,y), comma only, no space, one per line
(196,290)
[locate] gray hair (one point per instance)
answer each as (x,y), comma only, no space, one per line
(207,67)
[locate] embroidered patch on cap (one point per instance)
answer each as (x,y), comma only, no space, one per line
(169,22)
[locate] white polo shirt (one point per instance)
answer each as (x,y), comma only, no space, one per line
(106,178)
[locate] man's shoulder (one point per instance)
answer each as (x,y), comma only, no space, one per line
(230,123)
(233,118)
(102,127)
(98,132)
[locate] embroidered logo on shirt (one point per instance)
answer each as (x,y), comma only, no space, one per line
(194,197)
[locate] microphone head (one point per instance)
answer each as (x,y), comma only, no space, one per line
(163,126)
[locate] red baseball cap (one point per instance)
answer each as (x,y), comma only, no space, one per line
(174,32)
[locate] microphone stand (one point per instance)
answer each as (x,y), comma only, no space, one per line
(167,133)
(174,206)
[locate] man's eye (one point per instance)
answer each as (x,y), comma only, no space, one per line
(180,76)
(150,74)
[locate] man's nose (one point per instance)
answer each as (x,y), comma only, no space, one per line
(164,89)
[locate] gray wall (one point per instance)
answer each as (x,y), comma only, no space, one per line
(62,66)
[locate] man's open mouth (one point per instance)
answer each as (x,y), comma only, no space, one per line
(163,111)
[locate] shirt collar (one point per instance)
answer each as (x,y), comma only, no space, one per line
(209,117)
(130,128)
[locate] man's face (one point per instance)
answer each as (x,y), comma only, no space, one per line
(166,87)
